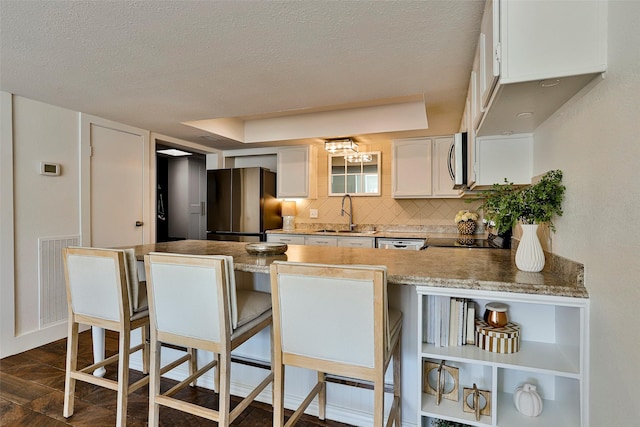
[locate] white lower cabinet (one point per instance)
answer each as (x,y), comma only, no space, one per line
(552,356)
(356,242)
(345,242)
(314,240)
(321,241)
(290,239)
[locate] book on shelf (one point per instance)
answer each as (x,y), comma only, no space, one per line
(429,319)
(437,320)
(471,323)
(448,322)
(462,321)
(426,320)
(445,307)
(453,322)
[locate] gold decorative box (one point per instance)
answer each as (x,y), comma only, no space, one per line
(498,340)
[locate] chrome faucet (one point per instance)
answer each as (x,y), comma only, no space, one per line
(350,213)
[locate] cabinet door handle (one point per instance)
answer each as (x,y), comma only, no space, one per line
(139,223)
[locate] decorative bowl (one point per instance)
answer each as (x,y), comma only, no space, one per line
(266,248)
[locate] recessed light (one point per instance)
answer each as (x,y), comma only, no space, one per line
(173,152)
(550,83)
(524,115)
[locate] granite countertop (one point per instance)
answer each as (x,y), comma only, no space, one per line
(460,268)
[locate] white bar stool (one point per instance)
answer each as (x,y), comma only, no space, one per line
(334,319)
(193,303)
(101,292)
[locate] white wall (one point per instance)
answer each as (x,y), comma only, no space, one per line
(43,206)
(594,139)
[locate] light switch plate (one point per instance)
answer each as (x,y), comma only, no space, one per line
(313,213)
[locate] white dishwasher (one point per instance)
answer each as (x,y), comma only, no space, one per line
(405,244)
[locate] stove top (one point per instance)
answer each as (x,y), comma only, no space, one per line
(460,242)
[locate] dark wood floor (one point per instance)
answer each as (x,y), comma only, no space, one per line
(32,393)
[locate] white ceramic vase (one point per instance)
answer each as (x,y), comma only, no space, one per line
(529,255)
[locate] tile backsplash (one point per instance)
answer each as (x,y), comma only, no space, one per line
(383,211)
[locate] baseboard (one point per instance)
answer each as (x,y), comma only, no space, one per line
(37,338)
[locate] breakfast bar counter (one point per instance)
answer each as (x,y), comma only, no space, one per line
(460,268)
(481,274)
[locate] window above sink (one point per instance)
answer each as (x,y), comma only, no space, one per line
(360,177)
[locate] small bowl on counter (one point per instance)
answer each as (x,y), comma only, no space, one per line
(266,248)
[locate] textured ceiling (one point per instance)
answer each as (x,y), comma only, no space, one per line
(157,64)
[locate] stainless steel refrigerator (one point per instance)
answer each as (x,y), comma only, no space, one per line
(241,204)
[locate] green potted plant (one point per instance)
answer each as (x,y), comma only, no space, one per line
(506,204)
(543,200)
(501,209)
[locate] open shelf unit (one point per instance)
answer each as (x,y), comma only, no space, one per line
(552,355)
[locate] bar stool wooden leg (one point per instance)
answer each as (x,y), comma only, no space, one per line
(397,375)
(193,364)
(278,393)
(123,378)
(146,334)
(216,374)
(72,363)
(225,385)
(154,385)
(378,400)
(322,397)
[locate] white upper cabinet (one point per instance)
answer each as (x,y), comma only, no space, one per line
(420,168)
(550,39)
(411,168)
(489,46)
(504,157)
(297,172)
(477,112)
(540,53)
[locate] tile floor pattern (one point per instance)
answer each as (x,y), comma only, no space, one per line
(32,393)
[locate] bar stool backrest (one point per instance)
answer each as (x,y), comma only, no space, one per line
(331,314)
(191,296)
(95,279)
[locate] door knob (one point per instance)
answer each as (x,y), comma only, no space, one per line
(139,223)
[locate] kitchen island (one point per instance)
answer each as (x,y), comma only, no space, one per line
(481,274)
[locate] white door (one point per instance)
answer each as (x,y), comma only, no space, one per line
(117,195)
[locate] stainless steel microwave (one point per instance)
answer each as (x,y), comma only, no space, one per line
(459,162)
